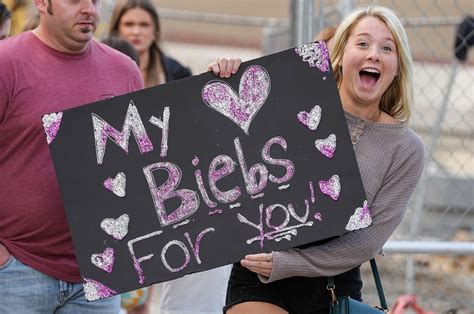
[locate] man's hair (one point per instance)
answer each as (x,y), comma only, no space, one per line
(398,97)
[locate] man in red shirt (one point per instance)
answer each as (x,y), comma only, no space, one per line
(55,67)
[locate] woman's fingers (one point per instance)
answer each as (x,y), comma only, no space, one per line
(236,65)
(224,67)
(261,263)
(214,67)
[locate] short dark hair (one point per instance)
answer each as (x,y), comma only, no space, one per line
(4,13)
(123,46)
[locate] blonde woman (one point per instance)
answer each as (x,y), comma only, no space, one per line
(373,68)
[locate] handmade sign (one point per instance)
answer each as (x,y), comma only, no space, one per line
(197,173)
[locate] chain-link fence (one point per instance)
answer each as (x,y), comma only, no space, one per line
(443,115)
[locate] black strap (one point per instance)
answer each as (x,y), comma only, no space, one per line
(378,285)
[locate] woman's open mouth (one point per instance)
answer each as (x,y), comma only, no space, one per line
(369,76)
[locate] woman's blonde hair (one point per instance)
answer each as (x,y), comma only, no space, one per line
(398,97)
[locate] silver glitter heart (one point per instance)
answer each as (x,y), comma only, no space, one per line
(360,219)
(105,260)
(117,185)
(311,119)
(51,124)
(316,54)
(94,290)
(327,146)
(331,187)
(117,228)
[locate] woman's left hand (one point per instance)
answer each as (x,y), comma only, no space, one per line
(261,263)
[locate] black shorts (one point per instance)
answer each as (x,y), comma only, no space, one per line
(297,295)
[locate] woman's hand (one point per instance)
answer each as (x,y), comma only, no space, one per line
(224,67)
(259,263)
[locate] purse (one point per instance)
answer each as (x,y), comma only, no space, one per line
(346,305)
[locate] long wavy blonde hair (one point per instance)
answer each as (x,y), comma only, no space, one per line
(398,97)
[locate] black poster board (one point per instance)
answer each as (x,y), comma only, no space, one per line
(197,173)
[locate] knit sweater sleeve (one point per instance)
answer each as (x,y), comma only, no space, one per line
(352,249)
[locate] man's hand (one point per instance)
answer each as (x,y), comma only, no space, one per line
(4,255)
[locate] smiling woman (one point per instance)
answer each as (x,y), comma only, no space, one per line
(375,45)
(372,66)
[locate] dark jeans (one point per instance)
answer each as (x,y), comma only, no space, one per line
(297,295)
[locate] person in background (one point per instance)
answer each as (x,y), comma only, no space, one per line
(43,71)
(137,22)
(123,46)
(204,292)
(373,70)
(5,21)
(326,35)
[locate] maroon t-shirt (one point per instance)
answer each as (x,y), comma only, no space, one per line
(34,80)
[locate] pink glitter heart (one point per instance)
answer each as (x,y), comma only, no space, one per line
(331,187)
(51,124)
(327,146)
(117,185)
(104,261)
(241,108)
(94,290)
(311,119)
(360,219)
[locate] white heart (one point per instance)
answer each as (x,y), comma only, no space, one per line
(316,54)
(327,146)
(105,260)
(360,219)
(311,119)
(241,108)
(94,290)
(117,185)
(331,187)
(117,228)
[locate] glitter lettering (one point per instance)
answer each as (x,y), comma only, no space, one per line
(189,198)
(132,124)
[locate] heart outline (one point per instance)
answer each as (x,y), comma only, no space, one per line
(241,108)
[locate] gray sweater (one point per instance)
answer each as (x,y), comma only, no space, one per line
(390,159)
